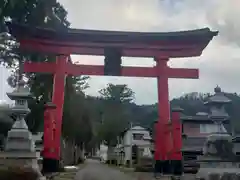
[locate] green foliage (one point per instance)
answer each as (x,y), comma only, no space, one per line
(114,117)
(191,103)
(46,14)
(117,93)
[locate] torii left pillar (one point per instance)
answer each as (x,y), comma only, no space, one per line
(58,99)
(163,141)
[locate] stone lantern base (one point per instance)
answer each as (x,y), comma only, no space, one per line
(19,159)
(219,157)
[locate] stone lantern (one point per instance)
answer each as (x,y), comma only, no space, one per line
(217,104)
(20,147)
(218,157)
(20,129)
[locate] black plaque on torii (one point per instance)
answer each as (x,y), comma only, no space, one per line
(112,62)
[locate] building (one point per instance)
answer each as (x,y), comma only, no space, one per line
(196,128)
(132,139)
(195,131)
(102,152)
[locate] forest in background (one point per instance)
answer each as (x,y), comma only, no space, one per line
(86,120)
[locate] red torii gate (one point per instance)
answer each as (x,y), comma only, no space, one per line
(161,46)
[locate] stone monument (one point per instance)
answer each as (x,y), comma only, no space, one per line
(20,147)
(218,153)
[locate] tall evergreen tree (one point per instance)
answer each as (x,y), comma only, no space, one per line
(114,116)
(45,14)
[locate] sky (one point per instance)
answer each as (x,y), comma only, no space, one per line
(218,65)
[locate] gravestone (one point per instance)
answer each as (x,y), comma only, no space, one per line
(20,147)
(219,158)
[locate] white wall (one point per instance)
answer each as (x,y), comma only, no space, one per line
(128,138)
(127,144)
(211,128)
(103,152)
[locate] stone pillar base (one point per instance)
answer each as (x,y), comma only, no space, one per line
(177,167)
(174,167)
(167,169)
(158,167)
(50,165)
(162,167)
(23,159)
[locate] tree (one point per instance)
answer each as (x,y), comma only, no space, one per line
(117,93)
(114,116)
(77,120)
(46,14)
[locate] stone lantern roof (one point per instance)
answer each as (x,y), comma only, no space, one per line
(218,98)
(217,104)
(22,92)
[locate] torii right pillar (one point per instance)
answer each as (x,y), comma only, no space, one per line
(163,140)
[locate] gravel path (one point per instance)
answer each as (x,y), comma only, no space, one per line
(94,170)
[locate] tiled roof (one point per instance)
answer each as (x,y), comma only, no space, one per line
(195,118)
(200,119)
(174,44)
(202,35)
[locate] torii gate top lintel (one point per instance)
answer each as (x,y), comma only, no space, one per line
(93,42)
(160,46)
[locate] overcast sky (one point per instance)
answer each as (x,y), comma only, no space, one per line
(218,65)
